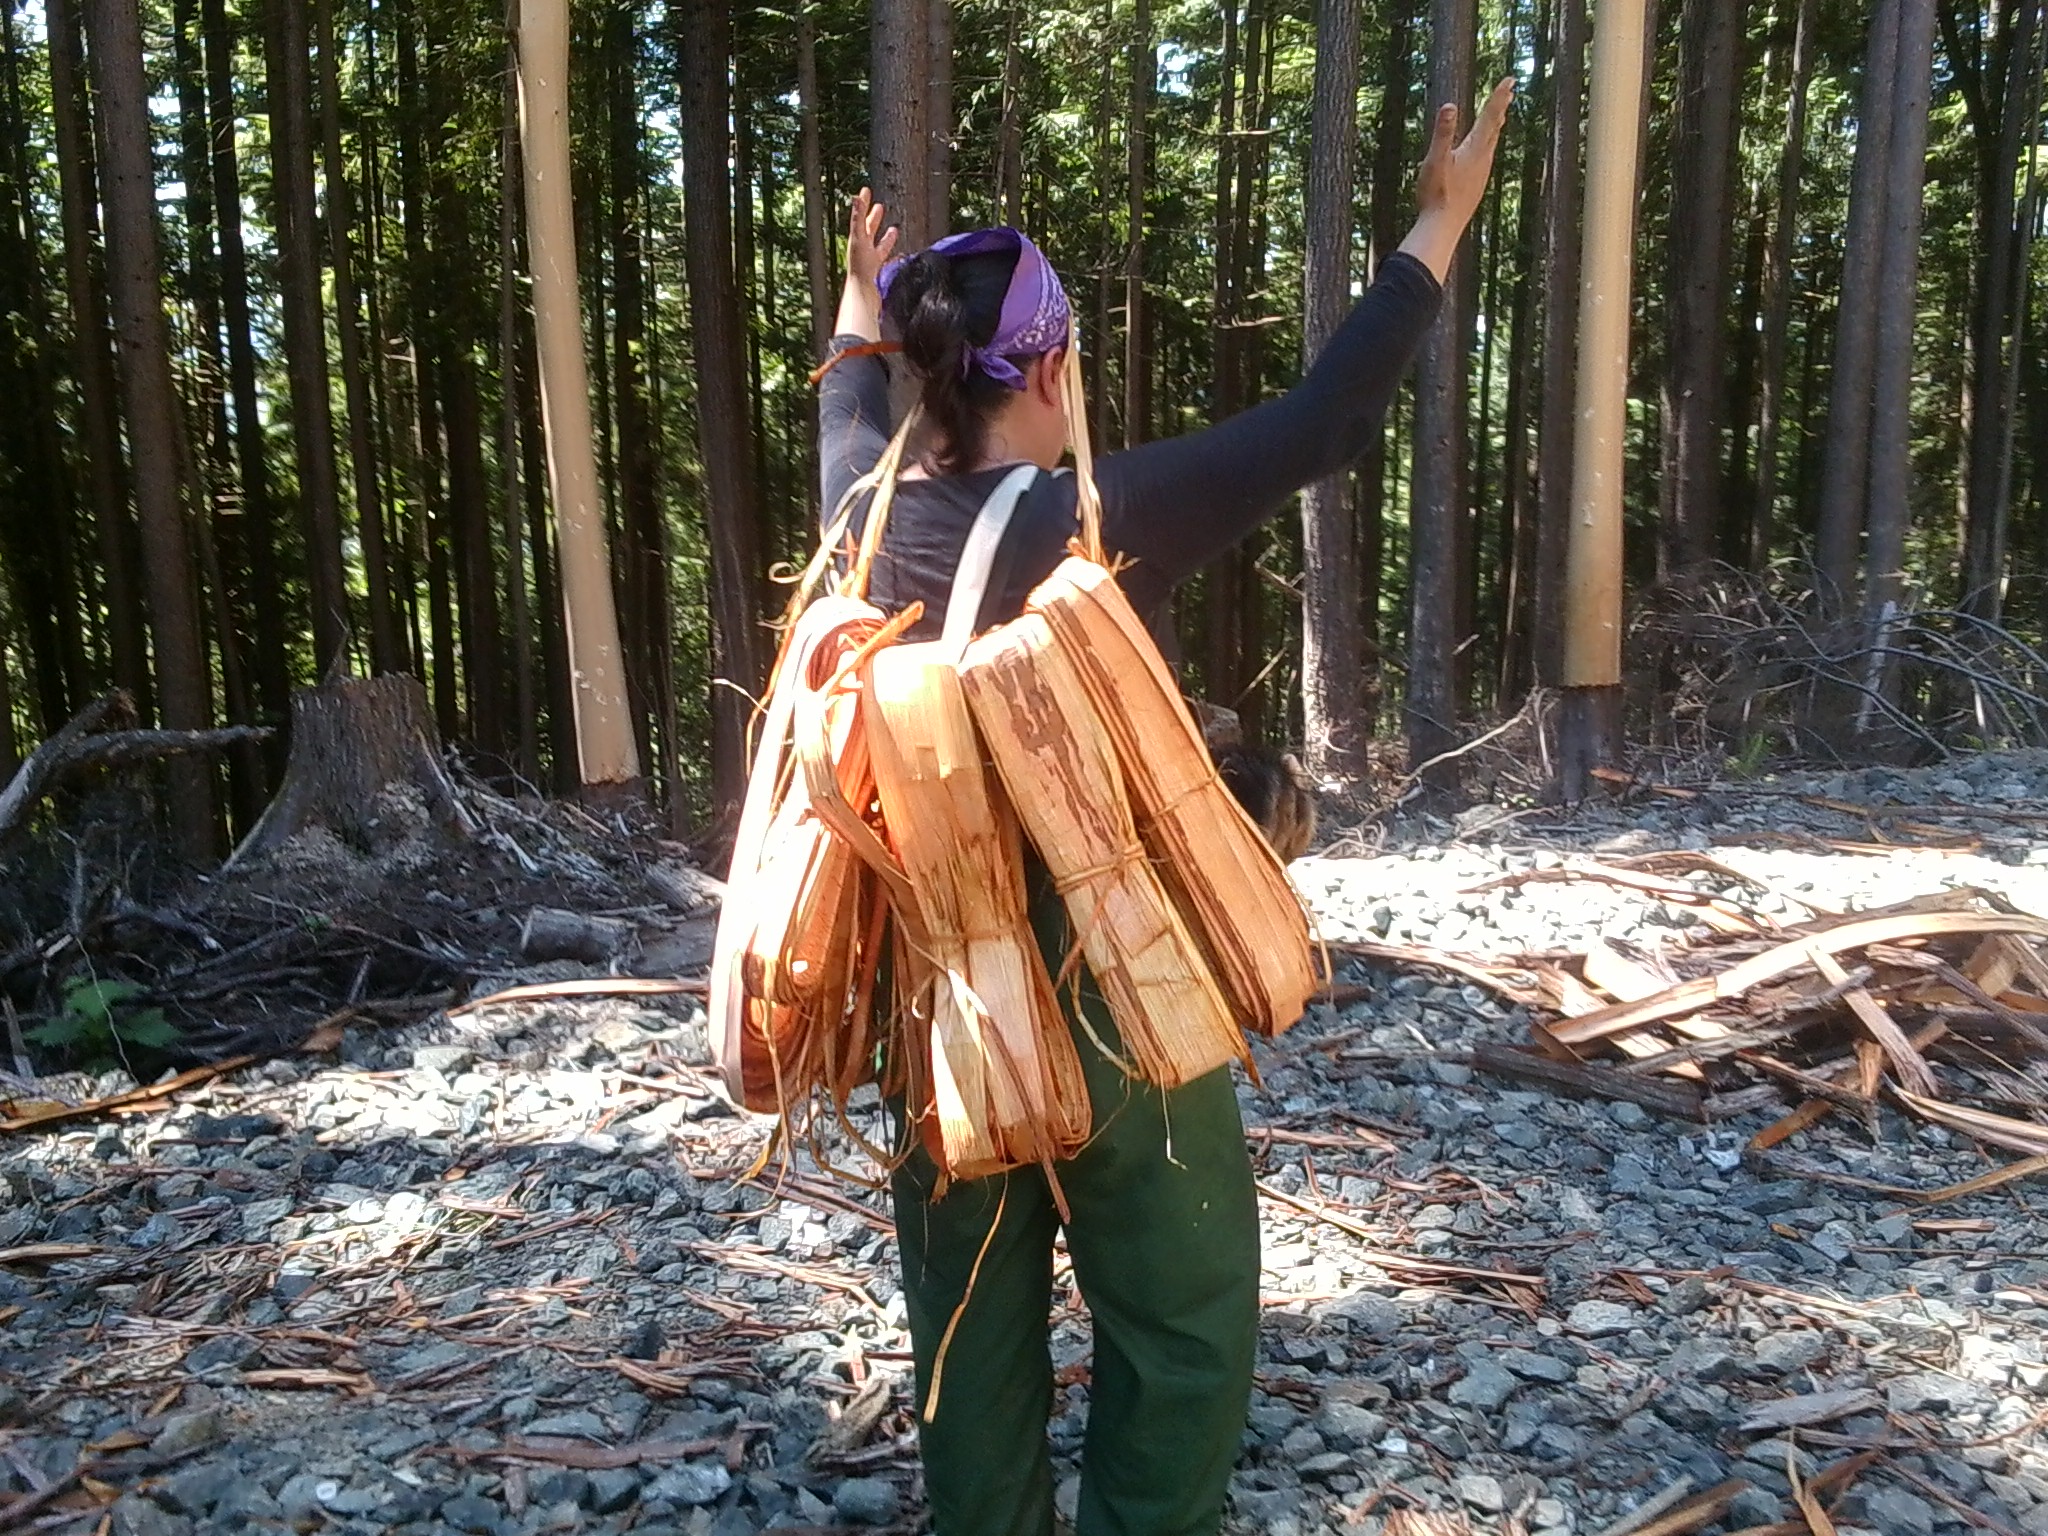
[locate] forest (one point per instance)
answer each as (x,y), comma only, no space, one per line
(275,410)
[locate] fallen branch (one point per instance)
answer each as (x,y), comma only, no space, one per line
(595,986)
(1673,1099)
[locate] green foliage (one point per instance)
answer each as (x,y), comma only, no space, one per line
(96,1025)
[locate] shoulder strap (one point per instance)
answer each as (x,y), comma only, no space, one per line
(977,556)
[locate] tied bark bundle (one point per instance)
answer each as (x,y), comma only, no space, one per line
(1222,874)
(1056,761)
(992,1052)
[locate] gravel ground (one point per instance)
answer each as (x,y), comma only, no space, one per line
(507,1277)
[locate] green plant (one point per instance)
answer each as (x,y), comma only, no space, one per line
(1749,761)
(94,1025)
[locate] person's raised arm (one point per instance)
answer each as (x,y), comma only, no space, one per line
(1173,506)
(853,397)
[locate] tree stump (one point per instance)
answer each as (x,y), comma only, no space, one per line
(351,738)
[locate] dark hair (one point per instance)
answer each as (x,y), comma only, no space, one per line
(938,307)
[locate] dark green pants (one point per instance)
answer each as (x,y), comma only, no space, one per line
(1165,1242)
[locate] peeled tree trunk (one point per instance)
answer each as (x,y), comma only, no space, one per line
(1331,652)
(150,402)
(607,755)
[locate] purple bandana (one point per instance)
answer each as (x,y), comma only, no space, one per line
(1035,316)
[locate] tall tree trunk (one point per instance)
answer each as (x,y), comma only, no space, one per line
(305,327)
(899,143)
(608,761)
(385,652)
(1137,360)
(38,508)
(1845,473)
(1557,412)
(1695,375)
(1777,284)
(722,415)
(1436,511)
(252,555)
(1891,440)
(1995,311)
(512,490)
(1519,517)
(811,161)
(939,117)
(1330,650)
(128,192)
(1389,201)
(98,396)
(1010,132)
(1223,662)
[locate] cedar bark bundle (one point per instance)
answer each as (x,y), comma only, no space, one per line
(799,937)
(1221,873)
(1057,762)
(988,1039)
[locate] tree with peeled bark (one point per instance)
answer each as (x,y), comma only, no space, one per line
(1331,654)
(608,759)
(150,402)
(723,425)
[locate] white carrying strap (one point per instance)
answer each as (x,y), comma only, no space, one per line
(978,556)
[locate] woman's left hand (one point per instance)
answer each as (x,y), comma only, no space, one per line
(1453,179)
(868,245)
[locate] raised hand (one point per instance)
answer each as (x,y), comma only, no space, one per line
(1453,179)
(868,244)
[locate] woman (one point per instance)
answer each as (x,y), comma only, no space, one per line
(1163,1225)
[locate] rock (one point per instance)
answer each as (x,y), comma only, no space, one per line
(196,1490)
(1351,1427)
(1889,1508)
(300,1501)
(645,1342)
(1485,1386)
(867,1500)
(1780,1354)
(1687,1297)
(1374,1316)
(133,1515)
(693,1483)
(228,1351)
(445,1059)
(563,1486)
(1531,1366)
(1323,1467)
(1478,1491)
(184,1433)
(1601,1319)
(581,1424)
(612,1489)
(468,1512)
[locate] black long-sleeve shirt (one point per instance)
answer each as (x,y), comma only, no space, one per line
(1168,507)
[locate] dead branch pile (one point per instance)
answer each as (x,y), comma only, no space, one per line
(1937,1006)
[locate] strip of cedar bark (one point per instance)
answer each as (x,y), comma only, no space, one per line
(99,442)
(1436,523)
(128,189)
(1695,372)
(1137,361)
(1556,416)
(1777,320)
(722,418)
(385,655)
(289,83)
(1330,649)
(1845,470)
